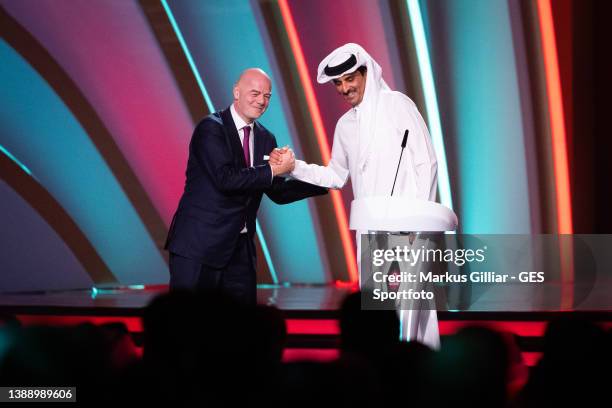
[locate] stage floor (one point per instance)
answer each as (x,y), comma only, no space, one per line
(132,300)
(313,301)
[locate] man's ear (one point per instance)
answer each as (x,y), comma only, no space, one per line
(236,93)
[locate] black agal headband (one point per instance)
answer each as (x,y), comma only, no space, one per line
(339,69)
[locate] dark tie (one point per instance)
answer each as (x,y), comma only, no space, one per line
(245,145)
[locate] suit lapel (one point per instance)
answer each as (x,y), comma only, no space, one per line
(233,136)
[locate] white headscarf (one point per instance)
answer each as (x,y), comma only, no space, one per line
(374,85)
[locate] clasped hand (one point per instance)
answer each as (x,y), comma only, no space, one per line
(282,160)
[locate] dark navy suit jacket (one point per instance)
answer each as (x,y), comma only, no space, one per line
(222,194)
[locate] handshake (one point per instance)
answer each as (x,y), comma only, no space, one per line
(282,161)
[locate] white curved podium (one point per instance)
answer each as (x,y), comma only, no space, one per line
(393,214)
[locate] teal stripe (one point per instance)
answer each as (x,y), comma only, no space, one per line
(431,100)
(16,160)
(192,64)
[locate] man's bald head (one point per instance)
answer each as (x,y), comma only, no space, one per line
(252,93)
(253,73)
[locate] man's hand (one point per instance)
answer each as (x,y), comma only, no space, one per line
(282,161)
(276,155)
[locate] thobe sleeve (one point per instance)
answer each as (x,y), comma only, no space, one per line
(334,175)
(420,147)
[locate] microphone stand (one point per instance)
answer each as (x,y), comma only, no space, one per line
(400,159)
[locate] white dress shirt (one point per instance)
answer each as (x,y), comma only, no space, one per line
(240,125)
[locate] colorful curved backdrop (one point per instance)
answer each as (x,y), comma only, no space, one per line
(99,100)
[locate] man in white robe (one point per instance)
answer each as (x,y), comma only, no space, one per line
(366,147)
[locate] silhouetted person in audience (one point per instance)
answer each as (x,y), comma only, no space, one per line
(195,348)
(205,347)
(574,369)
(406,374)
(366,332)
(471,370)
(270,339)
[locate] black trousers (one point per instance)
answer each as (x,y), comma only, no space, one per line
(237,279)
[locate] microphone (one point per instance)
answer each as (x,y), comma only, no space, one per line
(404,140)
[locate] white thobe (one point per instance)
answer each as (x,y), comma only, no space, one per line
(371,159)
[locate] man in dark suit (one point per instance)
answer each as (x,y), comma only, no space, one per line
(211,236)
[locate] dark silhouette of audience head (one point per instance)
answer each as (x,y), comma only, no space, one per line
(203,348)
(366,332)
(574,368)
(472,368)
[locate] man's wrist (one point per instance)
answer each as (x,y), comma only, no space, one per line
(296,168)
